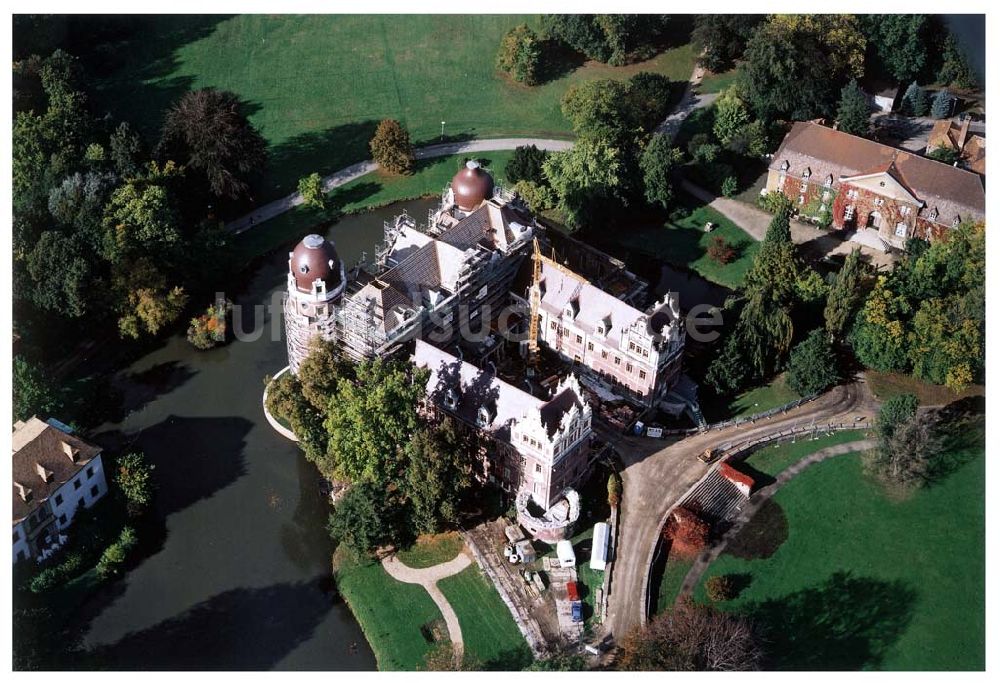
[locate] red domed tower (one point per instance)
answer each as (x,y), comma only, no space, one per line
(316,281)
(471,186)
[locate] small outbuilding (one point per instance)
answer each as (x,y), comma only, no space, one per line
(564,551)
(599,549)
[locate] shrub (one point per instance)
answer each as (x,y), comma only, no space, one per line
(720,588)
(526,164)
(209,329)
(687,531)
(135,480)
(614,489)
(774,202)
(311,189)
(57,575)
(941,104)
(391,148)
(538,197)
(720,251)
(946,155)
(520,54)
(115,555)
(730,187)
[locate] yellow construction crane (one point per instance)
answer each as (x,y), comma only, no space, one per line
(535,301)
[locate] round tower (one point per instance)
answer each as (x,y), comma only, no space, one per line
(471,186)
(316,281)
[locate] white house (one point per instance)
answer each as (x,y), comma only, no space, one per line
(55,472)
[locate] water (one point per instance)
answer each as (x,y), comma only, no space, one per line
(242,580)
(970,30)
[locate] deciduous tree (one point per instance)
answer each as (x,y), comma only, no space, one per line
(391,148)
(723,38)
(520,54)
(658,162)
(812,366)
(311,190)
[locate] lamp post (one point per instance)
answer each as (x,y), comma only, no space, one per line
(442,130)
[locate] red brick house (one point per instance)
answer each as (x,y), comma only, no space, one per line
(861,184)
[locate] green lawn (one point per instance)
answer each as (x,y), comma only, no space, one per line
(670,583)
(772,460)
(492,639)
(391,613)
(774,394)
(370,191)
(685,243)
(718,82)
(865,581)
(317,85)
(431,550)
(885,385)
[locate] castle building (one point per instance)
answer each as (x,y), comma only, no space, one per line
(539,447)
(55,473)
(638,353)
(861,184)
(316,282)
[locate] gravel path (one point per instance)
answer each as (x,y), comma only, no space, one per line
(355,171)
(710,554)
(428,578)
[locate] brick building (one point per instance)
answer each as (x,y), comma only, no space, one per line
(865,185)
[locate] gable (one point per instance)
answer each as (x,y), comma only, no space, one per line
(882,184)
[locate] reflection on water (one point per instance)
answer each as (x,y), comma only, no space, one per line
(242,580)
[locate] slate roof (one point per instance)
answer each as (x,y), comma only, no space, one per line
(824,151)
(488,226)
(37,443)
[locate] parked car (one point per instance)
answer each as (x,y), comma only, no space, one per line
(576,611)
(572,591)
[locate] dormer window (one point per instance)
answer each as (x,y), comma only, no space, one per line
(956,221)
(829,181)
(933,214)
(44,473)
(806,173)
(572,307)
(784,165)
(604,326)
(451,399)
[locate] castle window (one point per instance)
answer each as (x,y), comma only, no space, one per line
(642,374)
(538,467)
(879,201)
(579,339)
(483,417)
(829,181)
(784,165)
(628,367)
(905,210)
(803,187)
(852,194)
(901,229)
(451,399)
(590,346)
(849,213)
(618,360)
(604,355)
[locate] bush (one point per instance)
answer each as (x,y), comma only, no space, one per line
(614,489)
(520,54)
(135,480)
(946,155)
(720,588)
(311,189)
(941,105)
(526,164)
(209,329)
(730,187)
(774,202)
(115,555)
(720,251)
(55,576)
(391,148)
(687,532)
(538,196)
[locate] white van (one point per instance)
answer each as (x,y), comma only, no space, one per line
(564,551)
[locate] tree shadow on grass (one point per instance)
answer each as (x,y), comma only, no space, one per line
(843,624)
(323,152)
(514,659)
(761,537)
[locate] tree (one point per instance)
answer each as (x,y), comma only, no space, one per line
(658,162)
(438,476)
(520,54)
(61,274)
(878,336)
(905,457)
(945,154)
(125,150)
(286,402)
(33,392)
(812,366)
(723,38)
(941,105)
(206,131)
(141,218)
(614,39)
(311,190)
(692,637)
(721,251)
(728,374)
(614,489)
(731,116)
(730,186)
(526,164)
(582,175)
(114,557)
(598,110)
(899,42)
(687,532)
(794,64)
(320,371)
(560,661)
(538,196)
(371,420)
(955,68)
(391,148)
(894,411)
(366,518)
(915,100)
(134,478)
(845,295)
(852,114)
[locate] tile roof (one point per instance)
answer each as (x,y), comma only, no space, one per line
(37,444)
(824,151)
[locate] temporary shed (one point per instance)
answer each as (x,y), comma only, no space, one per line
(599,551)
(564,551)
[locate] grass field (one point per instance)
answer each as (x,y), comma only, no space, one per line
(865,581)
(370,191)
(674,572)
(885,385)
(772,460)
(774,394)
(431,550)
(685,243)
(316,86)
(492,639)
(718,82)
(391,613)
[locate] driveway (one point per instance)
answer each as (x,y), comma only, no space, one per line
(656,477)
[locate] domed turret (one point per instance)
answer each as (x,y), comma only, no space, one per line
(471,186)
(315,258)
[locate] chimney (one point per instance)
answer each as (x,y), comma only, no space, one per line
(72,452)
(963,133)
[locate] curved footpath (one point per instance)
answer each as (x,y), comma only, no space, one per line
(710,554)
(428,578)
(362,168)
